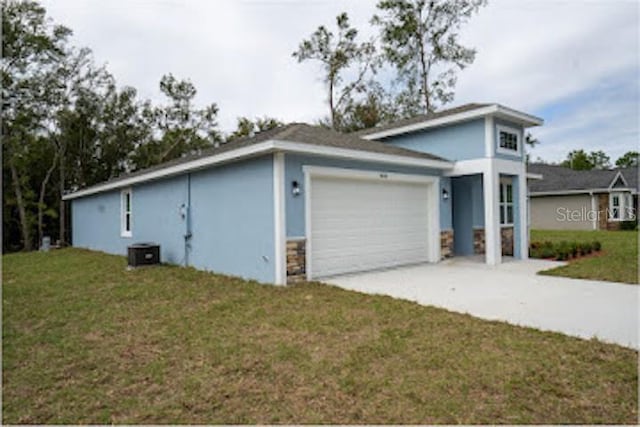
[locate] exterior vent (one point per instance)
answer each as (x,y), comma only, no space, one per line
(143,254)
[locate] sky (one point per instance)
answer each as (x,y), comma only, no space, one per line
(574,63)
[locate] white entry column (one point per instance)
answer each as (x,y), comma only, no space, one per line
(492,238)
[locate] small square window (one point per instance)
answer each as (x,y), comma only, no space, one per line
(508,140)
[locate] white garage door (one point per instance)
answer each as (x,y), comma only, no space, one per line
(364,224)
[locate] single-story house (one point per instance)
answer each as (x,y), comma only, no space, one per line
(567,199)
(302,202)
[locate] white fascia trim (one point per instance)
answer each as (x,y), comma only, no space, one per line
(279,220)
(366,175)
(535,176)
(618,175)
(469,167)
(302,148)
(518,152)
(510,167)
(526,119)
(264,148)
(261,148)
(476,166)
(568,192)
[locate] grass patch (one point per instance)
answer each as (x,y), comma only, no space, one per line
(85,342)
(616,262)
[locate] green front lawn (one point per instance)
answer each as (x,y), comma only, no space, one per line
(617,262)
(85,341)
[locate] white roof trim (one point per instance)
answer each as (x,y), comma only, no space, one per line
(536,176)
(494,109)
(585,191)
(615,178)
(259,149)
(252,150)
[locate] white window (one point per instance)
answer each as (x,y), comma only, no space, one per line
(506,202)
(508,140)
(620,207)
(125,213)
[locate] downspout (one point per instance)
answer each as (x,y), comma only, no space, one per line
(187,221)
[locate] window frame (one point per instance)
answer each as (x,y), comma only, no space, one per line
(124,213)
(504,204)
(621,207)
(513,131)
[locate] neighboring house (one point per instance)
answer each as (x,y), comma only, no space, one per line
(302,202)
(566,199)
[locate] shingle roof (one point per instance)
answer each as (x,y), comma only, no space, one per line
(421,118)
(295,132)
(560,178)
(316,135)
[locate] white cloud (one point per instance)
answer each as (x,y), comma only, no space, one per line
(532,55)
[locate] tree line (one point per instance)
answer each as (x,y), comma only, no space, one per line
(582,160)
(409,68)
(66,124)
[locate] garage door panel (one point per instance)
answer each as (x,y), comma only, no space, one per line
(359,225)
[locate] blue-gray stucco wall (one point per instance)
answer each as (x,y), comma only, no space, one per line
(232,219)
(232,214)
(463,141)
(295,207)
(468,211)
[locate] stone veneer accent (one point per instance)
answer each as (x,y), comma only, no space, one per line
(296,260)
(506,234)
(446,244)
(603,214)
(603,210)
(478,241)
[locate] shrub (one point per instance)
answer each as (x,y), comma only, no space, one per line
(563,250)
(562,253)
(573,249)
(547,252)
(629,225)
(585,248)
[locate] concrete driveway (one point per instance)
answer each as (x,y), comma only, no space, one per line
(512,292)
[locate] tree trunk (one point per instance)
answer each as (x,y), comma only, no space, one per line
(63,215)
(22,213)
(424,74)
(43,188)
(333,111)
(425,80)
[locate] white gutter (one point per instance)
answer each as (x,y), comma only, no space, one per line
(262,148)
(565,192)
(535,176)
(495,109)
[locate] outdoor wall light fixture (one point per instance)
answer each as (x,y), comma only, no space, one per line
(445,194)
(295,188)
